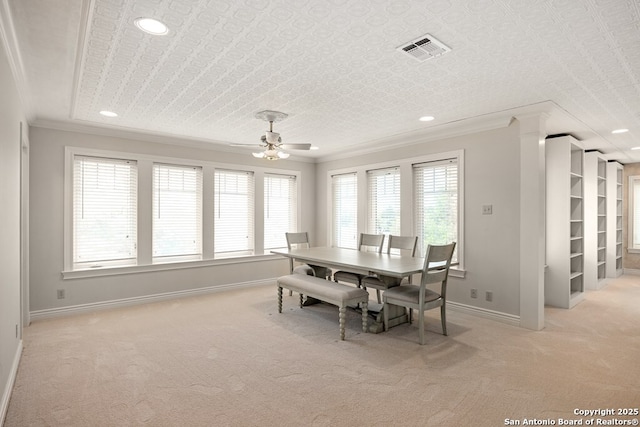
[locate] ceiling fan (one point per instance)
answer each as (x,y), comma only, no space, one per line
(271,141)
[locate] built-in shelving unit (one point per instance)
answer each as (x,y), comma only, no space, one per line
(595,220)
(614,219)
(565,228)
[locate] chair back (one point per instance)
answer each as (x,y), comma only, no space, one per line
(404,243)
(301,239)
(371,241)
(437,262)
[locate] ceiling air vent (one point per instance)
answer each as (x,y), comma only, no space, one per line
(425,47)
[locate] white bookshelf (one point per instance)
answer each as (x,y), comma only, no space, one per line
(614,219)
(595,220)
(565,228)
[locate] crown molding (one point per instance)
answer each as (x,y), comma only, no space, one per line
(10,42)
(148,136)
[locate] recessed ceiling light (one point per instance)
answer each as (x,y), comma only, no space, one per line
(426,118)
(108,113)
(313,147)
(151,26)
(620,131)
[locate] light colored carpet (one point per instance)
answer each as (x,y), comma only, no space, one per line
(229,359)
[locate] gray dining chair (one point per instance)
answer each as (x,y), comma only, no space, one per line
(366,242)
(406,245)
(301,240)
(437,263)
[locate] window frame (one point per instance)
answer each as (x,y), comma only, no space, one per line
(633,180)
(407,202)
(144,233)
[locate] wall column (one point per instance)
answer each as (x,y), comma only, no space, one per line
(532,219)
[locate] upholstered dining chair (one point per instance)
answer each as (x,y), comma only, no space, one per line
(366,242)
(301,240)
(437,263)
(404,244)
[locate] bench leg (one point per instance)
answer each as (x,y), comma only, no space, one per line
(279,299)
(301,301)
(342,316)
(364,306)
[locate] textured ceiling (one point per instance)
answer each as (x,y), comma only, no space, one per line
(332,65)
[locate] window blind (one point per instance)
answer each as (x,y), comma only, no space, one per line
(436,201)
(234,212)
(280,209)
(384,201)
(104,211)
(345,210)
(177,212)
(636,214)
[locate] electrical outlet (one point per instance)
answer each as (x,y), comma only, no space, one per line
(487,209)
(474,293)
(489,296)
(61,294)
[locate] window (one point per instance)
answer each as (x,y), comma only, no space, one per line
(104,212)
(436,203)
(280,209)
(177,212)
(384,201)
(634,215)
(345,210)
(233,212)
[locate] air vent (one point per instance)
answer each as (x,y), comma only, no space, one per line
(426,47)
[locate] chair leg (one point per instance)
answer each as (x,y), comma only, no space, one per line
(421,327)
(385,310)
(410,315)
(365,316)
(443,317)
(378,294)
(279,299)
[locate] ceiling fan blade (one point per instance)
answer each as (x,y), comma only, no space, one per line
(296,146)
(245,145)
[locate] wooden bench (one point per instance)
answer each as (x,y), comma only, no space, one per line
(327,291)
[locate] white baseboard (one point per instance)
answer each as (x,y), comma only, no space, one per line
(6,394)
(125,302)
(498,316)
(633,271)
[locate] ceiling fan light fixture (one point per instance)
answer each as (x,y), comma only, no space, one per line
(259,155)
(282,155)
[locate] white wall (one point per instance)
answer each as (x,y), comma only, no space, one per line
(46,226)
(492,176)
(10,118)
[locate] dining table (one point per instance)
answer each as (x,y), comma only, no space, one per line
(392,266)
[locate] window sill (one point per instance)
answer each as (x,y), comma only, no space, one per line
(133,269)
(454,272)
(633,251)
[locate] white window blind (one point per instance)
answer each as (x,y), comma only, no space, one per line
(280,209)
(436,201)
(345,210)
(104,212)
(635,226)
(177,212)
(234,212)
(384,201)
